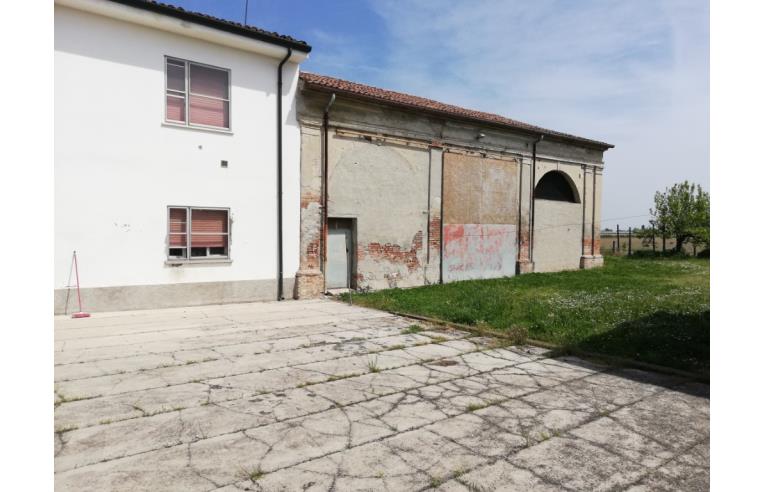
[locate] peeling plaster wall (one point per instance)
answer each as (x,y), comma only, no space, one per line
(480,217)
(387,169)
(384,187)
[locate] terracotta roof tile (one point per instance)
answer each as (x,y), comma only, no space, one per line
(324,82)
(218,23)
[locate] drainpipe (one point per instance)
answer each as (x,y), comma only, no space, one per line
(520,212)
(279,184)
(325,187)
(594,203)
(533,196)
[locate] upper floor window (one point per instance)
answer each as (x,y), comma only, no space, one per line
(197,95)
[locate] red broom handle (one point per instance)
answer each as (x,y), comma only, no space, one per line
(77,273)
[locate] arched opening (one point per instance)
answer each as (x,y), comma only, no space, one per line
(556,185)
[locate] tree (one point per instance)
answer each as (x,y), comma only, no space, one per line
(683,211)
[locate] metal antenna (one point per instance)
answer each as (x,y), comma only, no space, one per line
(246,9)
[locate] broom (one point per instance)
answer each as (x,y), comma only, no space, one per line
(80,313)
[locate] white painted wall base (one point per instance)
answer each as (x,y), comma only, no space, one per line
(130,297)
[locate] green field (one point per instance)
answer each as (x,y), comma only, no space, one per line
(653,310)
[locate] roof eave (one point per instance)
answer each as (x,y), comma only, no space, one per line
(223,26)
(603,146)
(121,9)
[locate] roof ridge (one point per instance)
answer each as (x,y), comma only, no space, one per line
(419,102)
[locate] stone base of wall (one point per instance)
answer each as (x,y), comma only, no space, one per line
(309,284)
(130,297)
(589,261)
(524,267)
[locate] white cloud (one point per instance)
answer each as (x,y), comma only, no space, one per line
(631,73)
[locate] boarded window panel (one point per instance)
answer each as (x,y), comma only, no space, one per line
(210,82)
(208,112)
(178,224)
(176,108)
(209,228)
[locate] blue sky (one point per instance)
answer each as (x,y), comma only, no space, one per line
(632,73)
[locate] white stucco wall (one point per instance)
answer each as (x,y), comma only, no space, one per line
(117,167)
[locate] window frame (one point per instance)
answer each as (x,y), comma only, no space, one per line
(186,94)
(173,260)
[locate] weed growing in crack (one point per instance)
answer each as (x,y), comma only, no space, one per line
(139,409)
(472,407)
(398,347)
(337,377)
(436,482)
(373,365)
(66,428)
(517,334)
(68,399)
(439,339)
(254,474)
(104,422)
(412,329)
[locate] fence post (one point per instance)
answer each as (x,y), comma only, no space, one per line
(653,239)
(618,237)
(663,236)
(629,241)
(694,249)
(613,247)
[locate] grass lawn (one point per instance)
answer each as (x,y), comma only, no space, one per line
(653,310)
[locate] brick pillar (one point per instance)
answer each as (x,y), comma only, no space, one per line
(524,264)
(432,267)
(592,256)
(309,280)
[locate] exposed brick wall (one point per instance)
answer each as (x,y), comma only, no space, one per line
(394,253)
(433,233)
(313,254)
(525,244)
(306,198)
(588,245)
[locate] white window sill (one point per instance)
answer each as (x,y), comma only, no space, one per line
(197,128)
(201,261)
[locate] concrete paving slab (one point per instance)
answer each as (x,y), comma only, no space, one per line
(319,395)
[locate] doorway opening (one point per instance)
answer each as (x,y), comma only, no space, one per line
(340,253)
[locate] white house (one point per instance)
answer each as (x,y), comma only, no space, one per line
(172,156)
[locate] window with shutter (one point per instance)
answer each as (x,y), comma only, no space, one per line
(197,95)
(198,233)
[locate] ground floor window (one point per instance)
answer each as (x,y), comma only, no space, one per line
(198,233)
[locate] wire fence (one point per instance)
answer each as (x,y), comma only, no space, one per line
(628,240)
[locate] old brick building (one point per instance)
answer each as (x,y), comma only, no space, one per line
(418,192)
